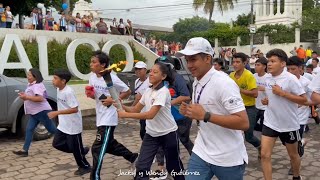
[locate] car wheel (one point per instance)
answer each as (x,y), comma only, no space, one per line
(40,133)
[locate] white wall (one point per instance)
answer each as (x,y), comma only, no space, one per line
(63,36)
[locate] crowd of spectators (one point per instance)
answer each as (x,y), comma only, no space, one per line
(6,17)
(161,48)
(66,22)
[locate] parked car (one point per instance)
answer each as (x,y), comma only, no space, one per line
(12,114)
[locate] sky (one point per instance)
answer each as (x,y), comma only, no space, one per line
(164,16)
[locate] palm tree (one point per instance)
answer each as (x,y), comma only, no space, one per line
(209,5)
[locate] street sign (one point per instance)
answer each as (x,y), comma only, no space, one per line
(252,29)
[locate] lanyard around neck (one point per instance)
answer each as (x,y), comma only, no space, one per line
(199,95)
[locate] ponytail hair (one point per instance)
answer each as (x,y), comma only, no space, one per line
(166,69)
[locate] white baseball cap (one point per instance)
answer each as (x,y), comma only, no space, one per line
(195,46)
(140,65)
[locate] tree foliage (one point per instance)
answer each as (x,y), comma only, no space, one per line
(308,5)
(311,20)
(209,5)
(244,20)
(190,25)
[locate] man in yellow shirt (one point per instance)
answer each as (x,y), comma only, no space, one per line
(249,91)
(309,52)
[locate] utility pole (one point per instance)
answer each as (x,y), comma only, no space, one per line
(251,29)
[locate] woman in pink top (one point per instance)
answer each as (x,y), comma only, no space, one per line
(37,107)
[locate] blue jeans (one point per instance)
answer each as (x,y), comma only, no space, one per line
(250,138)
(3,24)
(198,169)
(34,120)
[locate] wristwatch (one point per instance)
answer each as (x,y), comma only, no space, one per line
(207,116)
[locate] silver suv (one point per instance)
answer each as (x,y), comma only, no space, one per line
(12,114)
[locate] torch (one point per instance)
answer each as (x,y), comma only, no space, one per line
(106,74)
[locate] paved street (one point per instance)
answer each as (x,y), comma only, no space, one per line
(44,162)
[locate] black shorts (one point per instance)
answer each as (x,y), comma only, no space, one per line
(285,137)
(301,130)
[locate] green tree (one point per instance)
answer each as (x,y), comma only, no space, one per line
(184,29)
(243,20)
(193,24)
(308,4)
(209,5)
(310,20)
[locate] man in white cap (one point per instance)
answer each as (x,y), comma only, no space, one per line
(219,148)
(140,86)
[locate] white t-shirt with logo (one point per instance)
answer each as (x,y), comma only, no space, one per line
(261,81)
(304,111)
(69,123)
(281,114)
(316,71)
(315,84)
(106,116)
(140,87)
(163,123)
(308,76)
(215,144)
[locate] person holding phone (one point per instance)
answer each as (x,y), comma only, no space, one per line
(106,114)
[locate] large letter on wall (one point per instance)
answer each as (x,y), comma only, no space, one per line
(13,39)
(43,57)
(129,54)
(71,52)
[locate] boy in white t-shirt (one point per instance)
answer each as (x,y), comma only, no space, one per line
(68,136)
(140,86)
(260,76)
(294,66)
(219,148)
(315,87)
(284,93)
(106,114)
(316,68)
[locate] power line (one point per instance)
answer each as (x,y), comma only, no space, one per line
(187,4)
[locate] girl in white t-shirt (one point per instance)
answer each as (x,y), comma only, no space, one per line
(160,125)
